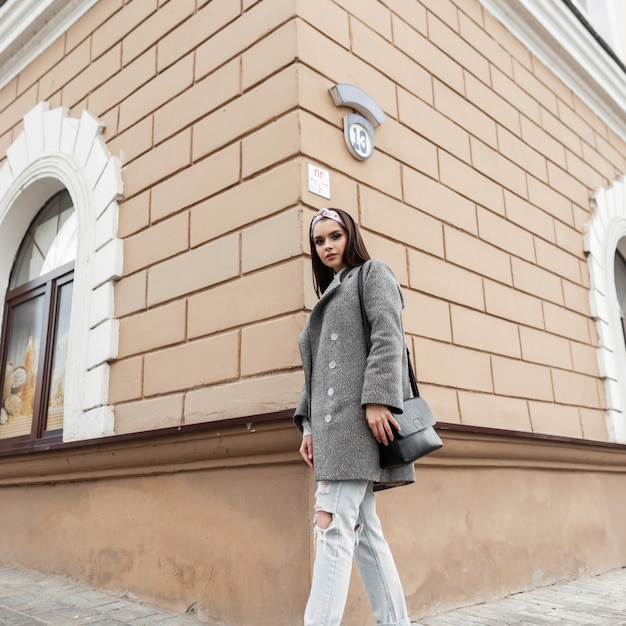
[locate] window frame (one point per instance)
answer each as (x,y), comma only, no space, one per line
(49,286)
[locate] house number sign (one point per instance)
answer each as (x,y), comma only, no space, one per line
(358,128)
(359,136)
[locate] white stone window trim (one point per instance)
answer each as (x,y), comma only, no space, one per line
(55,151)
(551,31)
(28,27)
(602,235)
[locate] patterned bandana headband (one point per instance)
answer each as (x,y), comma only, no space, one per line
(326,213)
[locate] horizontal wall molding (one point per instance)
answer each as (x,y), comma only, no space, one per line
(273,440)
(28,27)
(551,31)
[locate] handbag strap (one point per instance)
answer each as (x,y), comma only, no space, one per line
(368,341)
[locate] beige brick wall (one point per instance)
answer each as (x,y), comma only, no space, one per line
(476,196)
(489,163)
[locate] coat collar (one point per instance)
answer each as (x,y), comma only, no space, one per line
(336,282)
(332,289)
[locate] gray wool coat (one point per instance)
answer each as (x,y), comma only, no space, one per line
(341,378)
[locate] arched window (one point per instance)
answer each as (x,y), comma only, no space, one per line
(36,325)
(605,245)
(59,260)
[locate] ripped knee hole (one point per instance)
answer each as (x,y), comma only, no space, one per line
(323,519)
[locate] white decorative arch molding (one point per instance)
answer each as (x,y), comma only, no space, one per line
(55,151)
(602,236)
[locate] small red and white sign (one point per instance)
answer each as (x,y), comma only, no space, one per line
(319,181)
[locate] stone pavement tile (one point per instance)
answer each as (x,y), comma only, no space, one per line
(88,594)
(165,619)
(498,617)
(593,610)
(529,617)
(104,621)
(450,619)
(142,610)
(154,620)
(119,603)
(101,603)
(128,614)
(56,615)
(29,606)
(572,617)
(9,616)
(469,618)
(22,598)
(495,617)
(17,620)
(97,620)
(85,597)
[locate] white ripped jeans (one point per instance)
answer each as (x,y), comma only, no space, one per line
(355,530)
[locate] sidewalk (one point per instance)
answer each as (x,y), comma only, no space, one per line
(32,599)
(594,601)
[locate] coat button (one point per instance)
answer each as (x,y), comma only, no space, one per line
(332,365)
(334,336)
(331,391)
(328,418)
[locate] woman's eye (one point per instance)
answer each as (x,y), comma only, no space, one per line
(336,235)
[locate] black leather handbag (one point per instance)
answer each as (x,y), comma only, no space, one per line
(417,435)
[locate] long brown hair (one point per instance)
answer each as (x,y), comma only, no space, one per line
(354,255)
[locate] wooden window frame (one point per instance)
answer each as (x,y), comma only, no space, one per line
(49,286)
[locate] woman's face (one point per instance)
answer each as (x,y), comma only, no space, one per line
(330,239)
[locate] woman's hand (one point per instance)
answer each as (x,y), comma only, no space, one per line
(379,418)
(306,450)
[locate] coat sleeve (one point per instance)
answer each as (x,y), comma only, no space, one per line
(383,378)
(302,410)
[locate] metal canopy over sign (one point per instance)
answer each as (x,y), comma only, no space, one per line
(358,128)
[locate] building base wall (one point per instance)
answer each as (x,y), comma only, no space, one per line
(222,521)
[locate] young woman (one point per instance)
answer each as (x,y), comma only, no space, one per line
(346,409)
